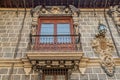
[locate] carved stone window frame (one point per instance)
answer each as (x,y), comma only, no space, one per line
(57,11)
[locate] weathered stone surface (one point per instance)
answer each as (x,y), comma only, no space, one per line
(117,76)
(2,27)
(93,76)
(2,31)
(5,39)
(8,55)
(20,71)
(111,78)
(16,77)
(117,70)
(88,70)
(15,71)
(5,44)
(25,77)
(75,76)
(84,77)
(4,35)
(5,77)
(3,71)
(34,77)
(102,76)
(97,70)
(2,23)
(7,50)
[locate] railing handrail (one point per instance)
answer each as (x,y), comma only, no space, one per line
(76,39)
(79,35)
(56,35)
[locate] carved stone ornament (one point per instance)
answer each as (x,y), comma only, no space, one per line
(104,47)
(37,61)
(114,12)
(54,11)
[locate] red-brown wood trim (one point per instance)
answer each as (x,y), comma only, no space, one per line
(53,20)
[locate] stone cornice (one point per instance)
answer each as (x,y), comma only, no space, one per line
(18,62)
(54,55)
(28,9)
(9,62)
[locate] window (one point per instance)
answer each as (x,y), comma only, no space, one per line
(54,32)
(47,29)
(55,74)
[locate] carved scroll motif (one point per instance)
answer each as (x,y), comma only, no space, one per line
(105,48)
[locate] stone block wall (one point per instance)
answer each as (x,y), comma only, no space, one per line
(92,73)
(88,24)
(95,73)
(11,24)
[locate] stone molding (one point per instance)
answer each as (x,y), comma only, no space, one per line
(81,9)
(19,63)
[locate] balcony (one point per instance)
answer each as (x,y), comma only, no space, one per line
(54,52)
(59,43)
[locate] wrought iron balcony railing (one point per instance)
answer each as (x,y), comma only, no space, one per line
(55,42)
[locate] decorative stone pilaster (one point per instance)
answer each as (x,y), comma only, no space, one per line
(35,15)
(75,16)
(104,47)
(27,66)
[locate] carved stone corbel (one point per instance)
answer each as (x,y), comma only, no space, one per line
(27,66)
(83,65)
(104,47)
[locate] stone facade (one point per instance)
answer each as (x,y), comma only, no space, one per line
(11,25)
(89,27)
(92,73)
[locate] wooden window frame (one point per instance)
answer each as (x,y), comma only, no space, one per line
(55,20)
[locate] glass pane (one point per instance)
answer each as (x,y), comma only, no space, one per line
(49,77)
(63,29)
(47,29)
(60,77)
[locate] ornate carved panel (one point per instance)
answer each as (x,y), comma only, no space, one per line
(104,47)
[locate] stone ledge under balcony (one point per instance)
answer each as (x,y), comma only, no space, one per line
(54,55)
